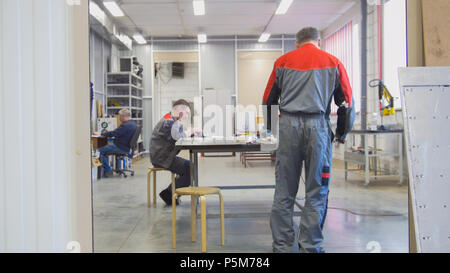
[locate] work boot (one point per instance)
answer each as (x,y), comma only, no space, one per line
(108,174)
(322,250)
(166,196)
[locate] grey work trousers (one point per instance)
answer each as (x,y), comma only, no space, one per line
(302,138)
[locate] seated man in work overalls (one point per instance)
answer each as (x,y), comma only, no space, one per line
(162,147)
(122,137)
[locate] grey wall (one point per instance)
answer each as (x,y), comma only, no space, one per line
(171,88)
(100,55)
(218,65)
(144,56)
(289,45)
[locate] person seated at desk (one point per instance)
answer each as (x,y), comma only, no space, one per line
(122,137)
(162,147)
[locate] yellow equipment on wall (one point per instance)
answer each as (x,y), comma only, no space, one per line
(386,99)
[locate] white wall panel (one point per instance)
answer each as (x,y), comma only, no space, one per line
(218,65)
(425,91)
(2,138)
(115,55)
(45,134)
(60,121)
(176,46)
(255,45)
(12,108)
(289,45)
(39,189)
(28,132)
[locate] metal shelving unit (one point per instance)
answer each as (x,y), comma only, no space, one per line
(124,90)
(364,156)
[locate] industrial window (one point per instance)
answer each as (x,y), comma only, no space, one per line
(340,44)
(393,41)
(344,44)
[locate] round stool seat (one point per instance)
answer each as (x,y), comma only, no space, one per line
(153,170)
(157,169)
(199,191)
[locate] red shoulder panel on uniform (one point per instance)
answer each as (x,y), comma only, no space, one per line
(309,57)
(345,84)
(270,84)
(168,116)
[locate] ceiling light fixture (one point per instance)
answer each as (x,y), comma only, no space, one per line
(112,7)
(202,38)
(139,39)
(125,40)
(264,37)
(283,7)
(97,12)
(199,7)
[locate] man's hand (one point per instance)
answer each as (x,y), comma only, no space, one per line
(97,134)
(194,132)
(197,132)
(340,139)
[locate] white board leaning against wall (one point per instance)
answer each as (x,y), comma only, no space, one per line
(425,94)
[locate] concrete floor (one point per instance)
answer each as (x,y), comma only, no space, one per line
(357,215)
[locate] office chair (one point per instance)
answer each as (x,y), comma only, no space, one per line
(120,156)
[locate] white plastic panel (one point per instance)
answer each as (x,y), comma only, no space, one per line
(425,97)
(45,186)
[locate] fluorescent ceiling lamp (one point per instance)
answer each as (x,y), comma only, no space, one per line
(202,38)
(264,37)
(199,7)
(283,7)
(139,39)
(125,40)
(112,7)
(97,12)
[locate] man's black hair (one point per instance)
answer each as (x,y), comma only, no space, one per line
(182,102)
(307,34)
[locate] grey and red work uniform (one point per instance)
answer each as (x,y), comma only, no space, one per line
(164,155)
(303,84)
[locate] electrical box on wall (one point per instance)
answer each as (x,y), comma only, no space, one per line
(131,64)
(425,95)
(178,70)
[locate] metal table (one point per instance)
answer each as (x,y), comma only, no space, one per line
(364,159)
(200,145)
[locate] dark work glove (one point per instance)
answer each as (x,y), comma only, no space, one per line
(340,139)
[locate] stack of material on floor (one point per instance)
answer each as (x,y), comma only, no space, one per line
(247,156)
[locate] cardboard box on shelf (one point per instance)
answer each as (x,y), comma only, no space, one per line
(118,120)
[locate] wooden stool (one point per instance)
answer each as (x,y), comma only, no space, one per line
(194,192)
(154,171)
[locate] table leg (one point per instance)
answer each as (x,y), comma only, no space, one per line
(375,163)
(203,222)
(345,162)
(400,156)
(196,169)
(193,218)
(154,188)
(367,166)
(346,169)
(191,159)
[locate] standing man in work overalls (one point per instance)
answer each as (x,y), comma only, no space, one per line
(304,83)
